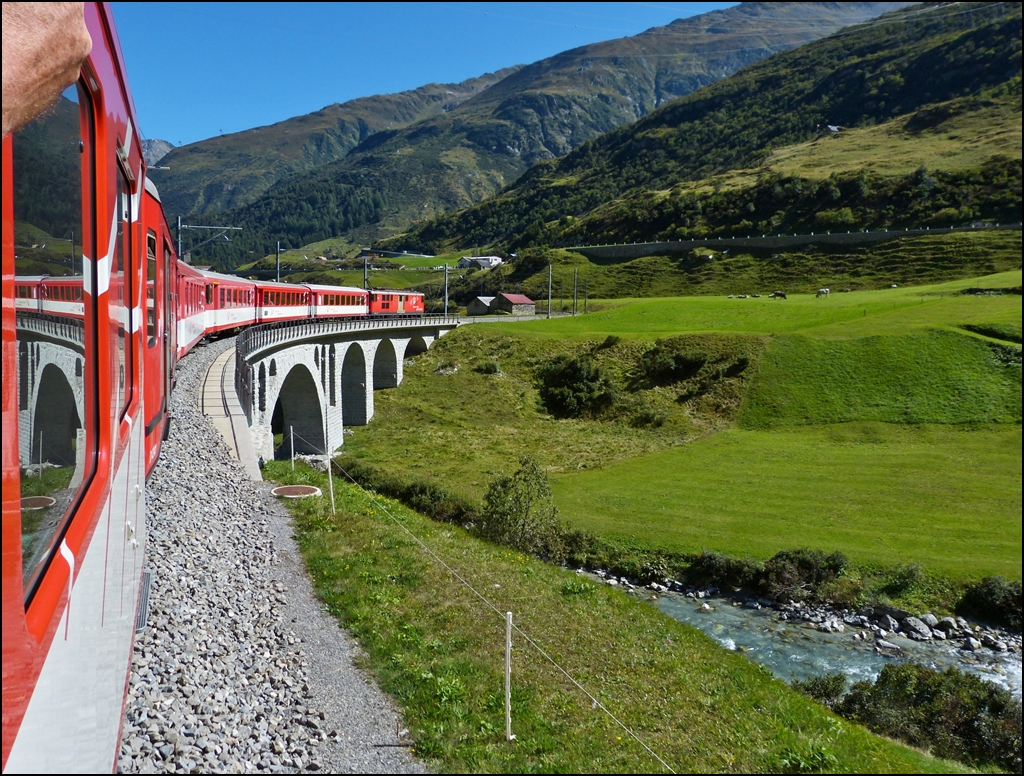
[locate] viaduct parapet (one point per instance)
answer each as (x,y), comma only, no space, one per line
(316,378)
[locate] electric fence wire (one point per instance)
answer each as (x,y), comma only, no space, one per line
(596,703)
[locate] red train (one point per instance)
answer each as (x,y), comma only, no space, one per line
(96,311)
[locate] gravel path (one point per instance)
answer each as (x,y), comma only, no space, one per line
(239,668)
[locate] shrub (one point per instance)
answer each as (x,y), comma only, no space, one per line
(715,568)
(518,510)
(956,715)
(661,365)
(489,367)
(903,578)
(827,689)
(993,599)
(647,417)
(799,574)
(573,387)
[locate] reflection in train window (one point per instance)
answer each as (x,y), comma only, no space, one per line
(119,303)
(150,288)
(56,357)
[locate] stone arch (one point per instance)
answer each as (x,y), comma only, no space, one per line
(416,346)
(299,404)
(385,366)
(56,422)
(353,387)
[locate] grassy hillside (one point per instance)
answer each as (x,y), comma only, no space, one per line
(436,648)
(916,260)
(456,159)
(781,379)
(877,73)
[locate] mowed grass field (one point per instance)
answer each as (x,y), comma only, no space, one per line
(843,316)
(868,422)
(945,497)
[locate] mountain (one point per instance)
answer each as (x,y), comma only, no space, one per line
(915,70)
(155,150)
(234,170)
(465,155)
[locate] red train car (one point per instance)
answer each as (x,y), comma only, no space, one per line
(73,419)
(96,311)
(391,302)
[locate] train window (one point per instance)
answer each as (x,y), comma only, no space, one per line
(56,362)
(119,301)
(209,295)
(151,288)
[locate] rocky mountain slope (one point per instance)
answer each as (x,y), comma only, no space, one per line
(461,156)
(233,170)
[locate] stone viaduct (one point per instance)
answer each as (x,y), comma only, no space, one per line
(51,397)
(317,377)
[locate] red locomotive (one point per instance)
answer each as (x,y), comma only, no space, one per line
(96,311)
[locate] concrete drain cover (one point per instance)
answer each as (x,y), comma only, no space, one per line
(37,502)
(296,491)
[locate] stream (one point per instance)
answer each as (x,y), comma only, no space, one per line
(794,649)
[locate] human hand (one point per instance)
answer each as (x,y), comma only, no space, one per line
(44,45)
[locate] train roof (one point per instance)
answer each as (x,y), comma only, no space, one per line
(222,278)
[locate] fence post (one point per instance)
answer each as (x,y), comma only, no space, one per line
(291,430)
(508,677)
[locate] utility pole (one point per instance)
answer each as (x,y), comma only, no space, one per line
(575,287)
(278,261)
(366,271)
(446,288)
(179,238)
(549,290)
(585,295)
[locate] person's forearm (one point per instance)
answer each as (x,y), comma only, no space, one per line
(44,45)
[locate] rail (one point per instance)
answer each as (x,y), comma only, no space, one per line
(269,335)
(54,326)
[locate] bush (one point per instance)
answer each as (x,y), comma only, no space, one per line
(800,574)
(715,568)
(662,365)
(573,387)
(489,367)
(993,599)
(954,714)
(903,579)
(827,689)
(518,510)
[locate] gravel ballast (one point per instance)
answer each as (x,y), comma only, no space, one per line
(239,669)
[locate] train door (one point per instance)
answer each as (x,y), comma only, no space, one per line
(154,398)
(170,320)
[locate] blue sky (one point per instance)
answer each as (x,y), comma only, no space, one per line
(199,69)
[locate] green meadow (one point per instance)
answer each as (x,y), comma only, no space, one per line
(871,422)
(945,497)
(840,315)
(437,648)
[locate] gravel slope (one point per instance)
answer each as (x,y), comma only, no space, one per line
(239,669)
